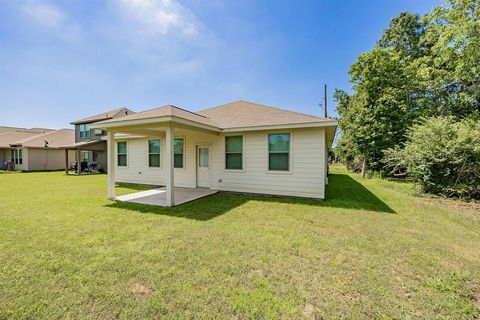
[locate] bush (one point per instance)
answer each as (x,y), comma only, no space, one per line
(442,155)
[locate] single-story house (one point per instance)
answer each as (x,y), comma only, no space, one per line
(240,147)
(90,144)
(10,135)
(41,151)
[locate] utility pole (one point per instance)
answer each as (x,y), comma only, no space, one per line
(325,100)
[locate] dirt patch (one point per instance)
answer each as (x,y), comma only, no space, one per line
(139,289)
(475,293)
(455,203)
(307,311)
(256,273)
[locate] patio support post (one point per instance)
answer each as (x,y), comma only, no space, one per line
(111,164)
(170,185)
(79,167)
(66,161)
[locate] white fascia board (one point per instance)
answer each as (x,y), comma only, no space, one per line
(126,123)
(332,123)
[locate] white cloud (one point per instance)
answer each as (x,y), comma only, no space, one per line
(44,13)
(159,17)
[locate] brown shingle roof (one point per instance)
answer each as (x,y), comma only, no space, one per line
(240,114)
(116,113)
(55,139)
(167,111)
(9,137)
(4,129)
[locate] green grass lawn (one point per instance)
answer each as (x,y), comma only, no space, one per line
(371,250)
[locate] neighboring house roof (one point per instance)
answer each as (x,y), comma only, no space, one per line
(40,130)
(81,144)
(116,113)
(239,114)
(9,137)
(4,129)
(53,139)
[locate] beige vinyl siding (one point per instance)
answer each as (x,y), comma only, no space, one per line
(46,159)
(305,179)
(137,169)
(3,155)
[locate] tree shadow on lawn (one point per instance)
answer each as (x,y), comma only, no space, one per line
(342,192)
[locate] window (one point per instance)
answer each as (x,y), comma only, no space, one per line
(17,157)
(99,132)
(94,156)
(178,153)
(122,153)
(203,157)
(84,155)
(278,152)
(84,131)
(154,153)
(234,153)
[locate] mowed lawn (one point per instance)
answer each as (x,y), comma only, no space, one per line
(371,250)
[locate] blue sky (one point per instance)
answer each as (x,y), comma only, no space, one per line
(64,60)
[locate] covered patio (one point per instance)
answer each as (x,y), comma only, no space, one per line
(96,158)
(165,122)
(158,196)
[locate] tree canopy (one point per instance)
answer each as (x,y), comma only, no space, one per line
(422,66)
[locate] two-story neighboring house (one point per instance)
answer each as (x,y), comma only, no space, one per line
(90,144)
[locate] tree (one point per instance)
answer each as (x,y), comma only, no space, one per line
(421,67)
(405,35)
(374,118)
(442,155)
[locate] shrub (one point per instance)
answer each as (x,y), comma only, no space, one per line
(442,155)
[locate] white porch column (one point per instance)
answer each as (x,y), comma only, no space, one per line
(170,184)
(111,164)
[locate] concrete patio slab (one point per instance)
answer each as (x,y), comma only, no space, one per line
(157,197)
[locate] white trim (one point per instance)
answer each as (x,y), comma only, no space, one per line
(124,123)
(329,123)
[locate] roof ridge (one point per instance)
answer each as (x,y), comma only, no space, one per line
(38,135)
(192,112)
(102,116)
(173,106)
(263,105)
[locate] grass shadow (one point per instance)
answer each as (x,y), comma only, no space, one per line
(202,209)
(135,186)
(345,192)
(342,192)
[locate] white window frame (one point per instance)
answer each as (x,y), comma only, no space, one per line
(290,153)
(225,152)
(184,151)
(116,153)
(159,155)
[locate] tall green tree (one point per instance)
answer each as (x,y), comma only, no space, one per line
(377,114)
(421,66)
